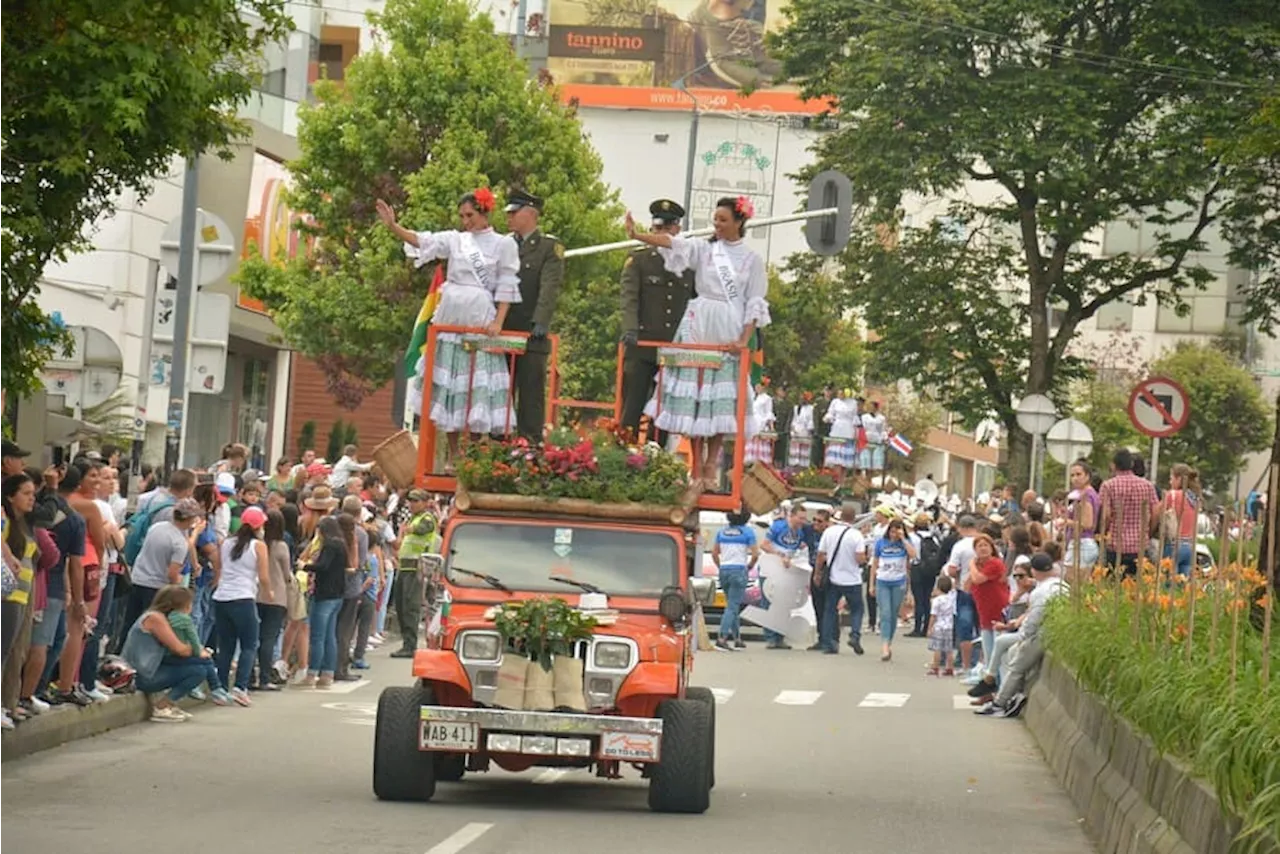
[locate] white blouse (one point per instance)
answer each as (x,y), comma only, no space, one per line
(500,259)
(876,428)
(842,415)
(762,409)
(802,424)
(698,254)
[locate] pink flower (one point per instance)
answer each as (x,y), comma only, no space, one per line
(636,461)
(744,207)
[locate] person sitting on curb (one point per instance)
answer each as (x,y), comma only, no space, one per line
(149,641)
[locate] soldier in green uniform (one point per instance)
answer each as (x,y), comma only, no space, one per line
(821,429)
(653,302)
(784,410)
(541,275)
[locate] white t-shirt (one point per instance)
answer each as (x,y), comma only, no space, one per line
(962,554)
(843,565)
(875,427)
(108,520)
(943,609)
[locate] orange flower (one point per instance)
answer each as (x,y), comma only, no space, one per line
(1166,563)
(1166,602)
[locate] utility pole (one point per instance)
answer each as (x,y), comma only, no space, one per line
(176,417)
(144,378)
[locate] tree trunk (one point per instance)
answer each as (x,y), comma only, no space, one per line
(1018,462)
(1268,530)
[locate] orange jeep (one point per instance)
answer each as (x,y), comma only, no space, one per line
(640,708)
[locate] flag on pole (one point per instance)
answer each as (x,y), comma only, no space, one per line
(419,339)
(900,444)
(756,346)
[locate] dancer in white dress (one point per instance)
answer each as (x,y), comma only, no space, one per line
(761,427)
(470,388)
(841,446)
(802,425)
(731,286)
(871,458)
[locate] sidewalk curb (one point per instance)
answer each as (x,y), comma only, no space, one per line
(64,724)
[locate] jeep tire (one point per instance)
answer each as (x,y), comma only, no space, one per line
(402,772)
(704,695)
(681,781)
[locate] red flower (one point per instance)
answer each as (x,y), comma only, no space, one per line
(484,199)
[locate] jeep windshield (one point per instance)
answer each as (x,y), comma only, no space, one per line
(525,556)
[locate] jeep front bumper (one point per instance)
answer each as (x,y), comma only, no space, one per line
(471,730)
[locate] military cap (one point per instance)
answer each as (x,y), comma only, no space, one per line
(665,212)
(518,199)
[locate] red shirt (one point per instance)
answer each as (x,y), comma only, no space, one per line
(1129,499)
(991,596)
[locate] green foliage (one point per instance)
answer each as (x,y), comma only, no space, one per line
(812,342)
(1042,121)
(1229,417)
(543,628)
(307,437)
(913,416)
(99,97)
(446,107)
(337,439)
(1194,687)
(350,436)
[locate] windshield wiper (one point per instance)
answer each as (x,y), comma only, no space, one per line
(581,585)
(491,580)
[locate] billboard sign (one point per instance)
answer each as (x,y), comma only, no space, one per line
(271,227)
(716,47)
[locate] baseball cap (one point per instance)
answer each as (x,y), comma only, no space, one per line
(187,508)
(11,449)
(1022,560)
(417,495)
(226,483)
(1041,562)
(254,517)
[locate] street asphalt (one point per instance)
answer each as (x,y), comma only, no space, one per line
(815,754)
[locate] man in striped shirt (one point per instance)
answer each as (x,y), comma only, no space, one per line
(1128,502)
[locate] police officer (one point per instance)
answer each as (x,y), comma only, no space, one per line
(653,302)
(416,539)
(541,275)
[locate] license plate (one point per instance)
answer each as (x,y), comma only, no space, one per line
(448,735)
(629,745)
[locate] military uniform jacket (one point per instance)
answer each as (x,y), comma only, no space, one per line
(820,425)
(653,298)
(541,275)
(783,412)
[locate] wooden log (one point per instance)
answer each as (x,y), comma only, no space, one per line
(536,504)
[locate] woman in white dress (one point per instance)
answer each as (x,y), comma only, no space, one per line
(760,448)
(470,388)
(871,458)
(731,285)
(802,425)
(841,444)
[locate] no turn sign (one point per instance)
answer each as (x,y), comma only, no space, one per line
(1158,407)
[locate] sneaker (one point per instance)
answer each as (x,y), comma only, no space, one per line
(308,681)
(74,697)
(970,679)
(198,694)
(220,697)
(281,670)
(982,688)
(6,722)
(35,705)
(347,677)
(855,644)
(185,714)
(1015,707)
(990,710)
(402,653)
(360,664)
(324,683)
(103,689)
(97,696)
(816,647)
(724,646)
(168,715)
(241,696)
(739,644)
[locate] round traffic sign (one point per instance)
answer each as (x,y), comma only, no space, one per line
(215,247)
(1036,414)
(1159,407)
(1068,441)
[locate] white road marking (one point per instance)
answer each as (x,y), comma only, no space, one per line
(884,701)
(723,695)
(360,721)
(347,687)
(961,701)
(461,839)
(550,775)
(352,708)
(797,698)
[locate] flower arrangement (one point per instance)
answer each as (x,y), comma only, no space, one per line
(812,478)
(543,628)
(599,465)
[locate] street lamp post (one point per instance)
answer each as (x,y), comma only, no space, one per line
(679,85)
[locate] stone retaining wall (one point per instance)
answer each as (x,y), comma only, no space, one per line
(1134,801)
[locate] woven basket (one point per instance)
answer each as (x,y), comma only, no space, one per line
(397,456)
(763,489)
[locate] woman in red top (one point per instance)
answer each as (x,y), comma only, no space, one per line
(989,588)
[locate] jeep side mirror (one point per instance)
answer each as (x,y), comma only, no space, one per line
(703,589)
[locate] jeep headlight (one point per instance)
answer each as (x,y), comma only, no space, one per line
(614,656)
(480,647)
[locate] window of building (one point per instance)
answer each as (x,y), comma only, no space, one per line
(1117,314)
(255,407)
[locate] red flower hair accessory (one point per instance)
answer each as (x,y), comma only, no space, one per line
(484,199)
(744,207)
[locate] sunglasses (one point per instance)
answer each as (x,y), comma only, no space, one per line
(1020,575)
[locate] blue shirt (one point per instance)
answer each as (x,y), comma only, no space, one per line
(69,535)
(735,546)
(206,537)
(811,538)
(781,535)
(371,571)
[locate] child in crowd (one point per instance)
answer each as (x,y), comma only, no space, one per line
(942,626)
(185,628)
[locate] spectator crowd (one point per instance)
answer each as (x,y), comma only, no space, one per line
(219,584)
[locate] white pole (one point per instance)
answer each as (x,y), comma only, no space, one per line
(1155,459)
(702,232)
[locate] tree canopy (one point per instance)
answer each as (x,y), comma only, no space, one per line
(447,107)
(99,97)
(812,341)
(1040,121)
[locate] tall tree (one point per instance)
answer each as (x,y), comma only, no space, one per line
(813,341)
(445,108)
(1229,417)
(99,97)
(1041,121)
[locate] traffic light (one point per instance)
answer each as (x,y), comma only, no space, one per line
(828,235)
